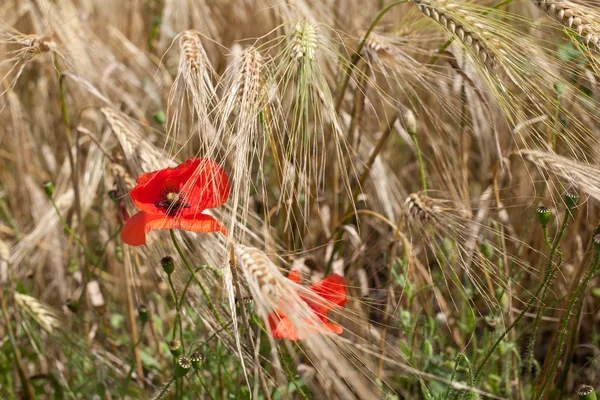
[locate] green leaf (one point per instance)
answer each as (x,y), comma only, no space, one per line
(149,361)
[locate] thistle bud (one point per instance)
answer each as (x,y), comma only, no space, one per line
(196,359)
(182,366)
(586,392)
(571,200)
(49,188)
(543,215)
(175,347)
(143,313)
(168,264)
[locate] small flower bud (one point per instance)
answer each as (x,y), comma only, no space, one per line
(596,241)
(471,395)
(196,359)
(168,264)
(571,200)
(49,188)
(73,305)
(175,347)
(426,348)
(586,392)
(160,117)
(543,215)
(410,122)
(182,366)
(491,322)
(143,313)
(487,249)
(113,194)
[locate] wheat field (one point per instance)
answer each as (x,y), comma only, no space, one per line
(299,199)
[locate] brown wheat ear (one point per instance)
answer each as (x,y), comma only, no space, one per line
(573,16)
(422,208)
(256,265)
(442,14)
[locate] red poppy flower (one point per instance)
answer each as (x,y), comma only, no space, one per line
(174,198)
(330,292)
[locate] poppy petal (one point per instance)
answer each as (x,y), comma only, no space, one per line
(151,185)
(207,187)
(329,292)
(294,276)
(285,330)
(202,181)
(335,328)
(135,229)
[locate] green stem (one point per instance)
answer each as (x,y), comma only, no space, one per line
(178,322)
(546,239)
(337,233)
(28,391)
(165,389)
(72,233)
(198,282)
(567,317)
(421,164)
(206,390)
(533,299)
(356,57)
(549,273)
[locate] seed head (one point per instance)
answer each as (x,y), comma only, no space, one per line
(571,200)
(196,359)
(168,264)
(182,366)
(543,215)
(586,392)
(304,41)
(175,347)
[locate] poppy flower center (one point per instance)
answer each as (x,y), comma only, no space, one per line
(172,200)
